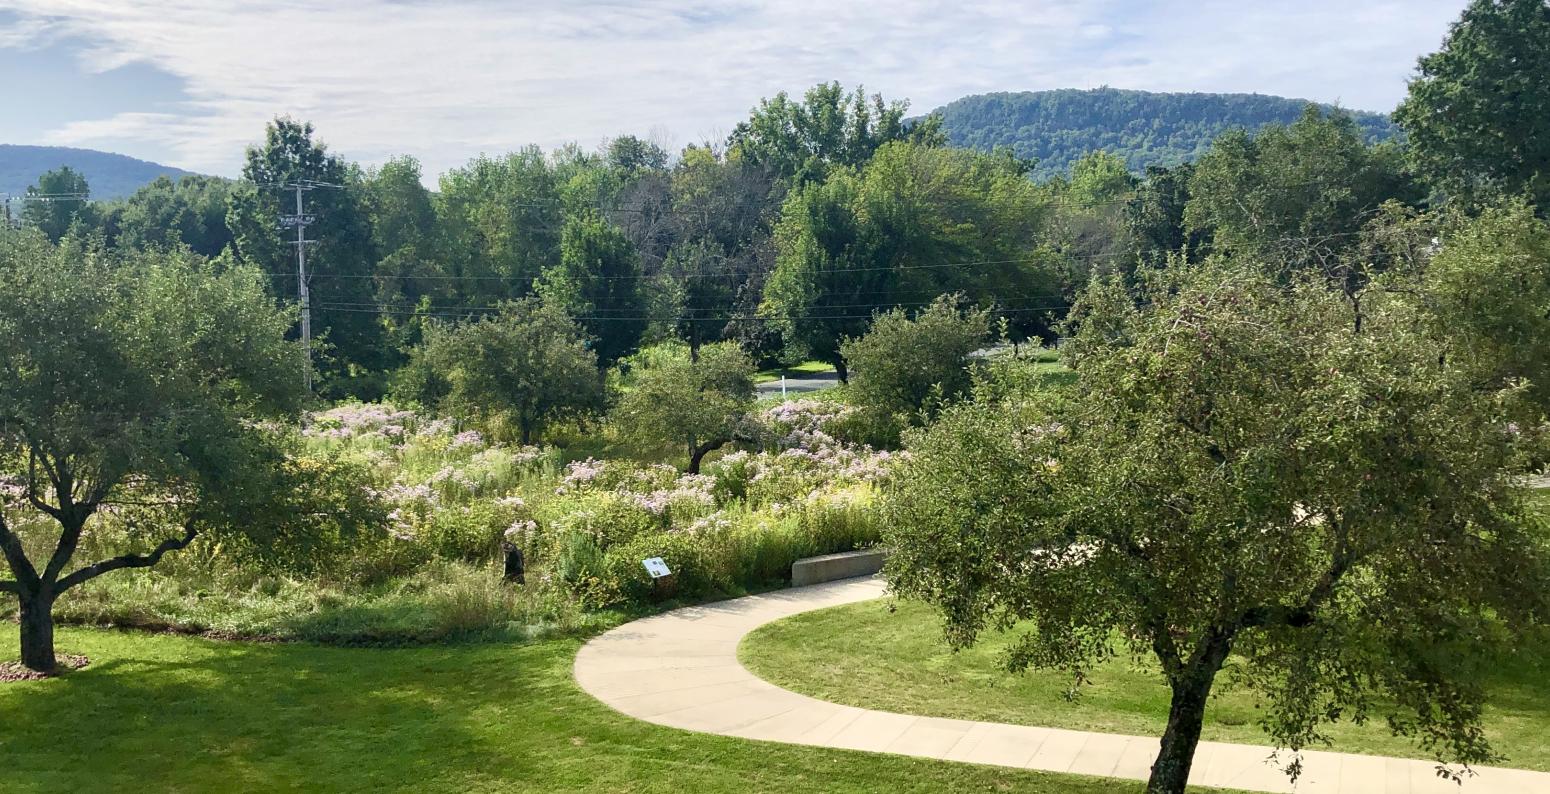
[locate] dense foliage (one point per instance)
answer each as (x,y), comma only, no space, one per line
(522,369)
(801,140)
(909,365)
(1056,128)
(133,387)
(1240,470)
(914,224)
(1294,197)
(1476,114)
(57,202)
(694,404)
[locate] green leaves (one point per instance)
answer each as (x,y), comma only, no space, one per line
(140,379)
(916,223)
(904,368)
(529,365)
(1474,118)
(1489,288)
(597,282)
(691,405)
(801,141)
(1293,197)
(1237,463)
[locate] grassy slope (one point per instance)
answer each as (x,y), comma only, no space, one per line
(863,655)
(166,713)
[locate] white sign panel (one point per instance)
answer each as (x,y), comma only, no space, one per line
(656,567)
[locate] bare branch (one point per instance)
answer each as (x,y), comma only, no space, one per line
(10,587)
(130,560)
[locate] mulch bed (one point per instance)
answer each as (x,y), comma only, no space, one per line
(14,671)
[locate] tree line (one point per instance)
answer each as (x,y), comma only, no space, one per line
(815,214)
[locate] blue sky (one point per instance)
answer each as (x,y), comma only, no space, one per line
(190,82)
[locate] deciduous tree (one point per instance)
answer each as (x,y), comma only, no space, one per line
(597,281)
(801,140)
(1237,473)
(1476,116)
(527,366)
(190,211)
(1294,197)
(135,387)
(916,223)
(339,264)
(905,360)
(57,201)
(697,406)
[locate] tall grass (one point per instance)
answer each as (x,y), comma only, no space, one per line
(439,504)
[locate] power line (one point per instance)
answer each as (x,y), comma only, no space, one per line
(1030,260)
(727,273)
(455,313)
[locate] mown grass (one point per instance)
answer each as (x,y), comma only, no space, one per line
(169,713)
(802,370)
(865,655)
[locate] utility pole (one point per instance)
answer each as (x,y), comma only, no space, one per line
(300,220)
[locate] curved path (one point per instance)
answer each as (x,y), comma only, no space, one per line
(680,669)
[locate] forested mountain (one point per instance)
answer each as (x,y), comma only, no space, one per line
(109,175)
(1144,128)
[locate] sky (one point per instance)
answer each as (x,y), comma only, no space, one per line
(190,83)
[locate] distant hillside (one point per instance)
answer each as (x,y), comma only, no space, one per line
(1145,128)
(109,175)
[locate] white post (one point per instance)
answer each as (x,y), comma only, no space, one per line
(783,385)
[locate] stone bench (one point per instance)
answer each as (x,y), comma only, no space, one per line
(845,565)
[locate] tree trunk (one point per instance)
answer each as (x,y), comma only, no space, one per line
(840,369)
(37,633)
(1186,714)
(697,454)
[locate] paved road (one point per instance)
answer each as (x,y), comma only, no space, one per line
(804,385)
(680,669)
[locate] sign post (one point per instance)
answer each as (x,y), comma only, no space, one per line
(662,582)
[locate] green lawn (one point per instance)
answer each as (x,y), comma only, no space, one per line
(802,370)
(169,713)
(862,655)
(1058,373)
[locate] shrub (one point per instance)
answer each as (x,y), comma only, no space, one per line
(904,367)
(696,560)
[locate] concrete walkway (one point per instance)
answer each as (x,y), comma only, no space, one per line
(680,669)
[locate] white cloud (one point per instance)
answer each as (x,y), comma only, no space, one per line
(446,80)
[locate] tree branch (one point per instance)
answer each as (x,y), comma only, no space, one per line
(32,482)
(1303,614)
(10,587)
(69,539)
(16,557)
(130,560)
(1166,649)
